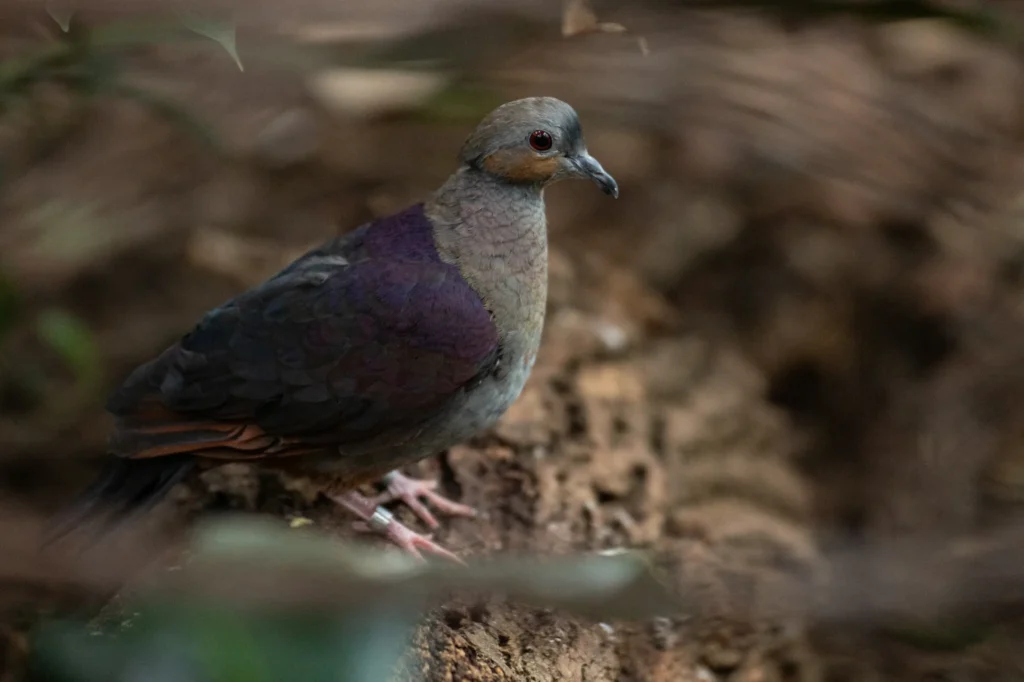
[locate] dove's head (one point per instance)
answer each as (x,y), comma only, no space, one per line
(537,140)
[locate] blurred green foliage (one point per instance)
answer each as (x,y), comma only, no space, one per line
(60,331)
(256,601)
(72,340)
(87,62)
(198,642)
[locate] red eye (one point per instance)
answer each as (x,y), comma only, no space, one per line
(540,140)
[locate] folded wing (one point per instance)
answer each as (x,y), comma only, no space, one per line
(310,357)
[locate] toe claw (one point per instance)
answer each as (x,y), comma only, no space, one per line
(412,542)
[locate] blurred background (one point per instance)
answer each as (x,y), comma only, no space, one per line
(786,363)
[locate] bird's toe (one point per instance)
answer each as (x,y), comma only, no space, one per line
(411,490)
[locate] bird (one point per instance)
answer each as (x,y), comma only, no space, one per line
(388,344)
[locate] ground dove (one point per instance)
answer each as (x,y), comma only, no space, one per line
(383,346)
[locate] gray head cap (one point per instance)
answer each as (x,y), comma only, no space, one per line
(511,124)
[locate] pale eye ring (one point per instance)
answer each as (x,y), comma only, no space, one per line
(540,140)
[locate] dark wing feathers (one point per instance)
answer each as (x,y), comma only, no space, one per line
(337,354)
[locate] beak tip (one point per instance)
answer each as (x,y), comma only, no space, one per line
(588,167)
(609,186)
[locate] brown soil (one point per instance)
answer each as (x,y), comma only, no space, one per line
(796,332)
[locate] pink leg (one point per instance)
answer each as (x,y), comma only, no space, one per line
(380,521)
(410,490)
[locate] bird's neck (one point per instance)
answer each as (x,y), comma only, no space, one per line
(496,233)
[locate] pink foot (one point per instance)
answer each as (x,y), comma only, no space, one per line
(379,520)
(410,490)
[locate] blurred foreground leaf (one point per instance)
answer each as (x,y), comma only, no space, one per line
(309,569)
(259,601)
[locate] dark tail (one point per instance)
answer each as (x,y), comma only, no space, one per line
(124,489)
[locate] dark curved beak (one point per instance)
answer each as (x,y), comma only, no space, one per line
(589,167)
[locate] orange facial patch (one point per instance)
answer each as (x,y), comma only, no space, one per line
(520,165)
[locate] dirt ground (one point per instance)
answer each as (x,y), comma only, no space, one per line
(796,333)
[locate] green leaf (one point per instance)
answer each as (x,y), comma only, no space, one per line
(219,31)
(61,11)
(70,339)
